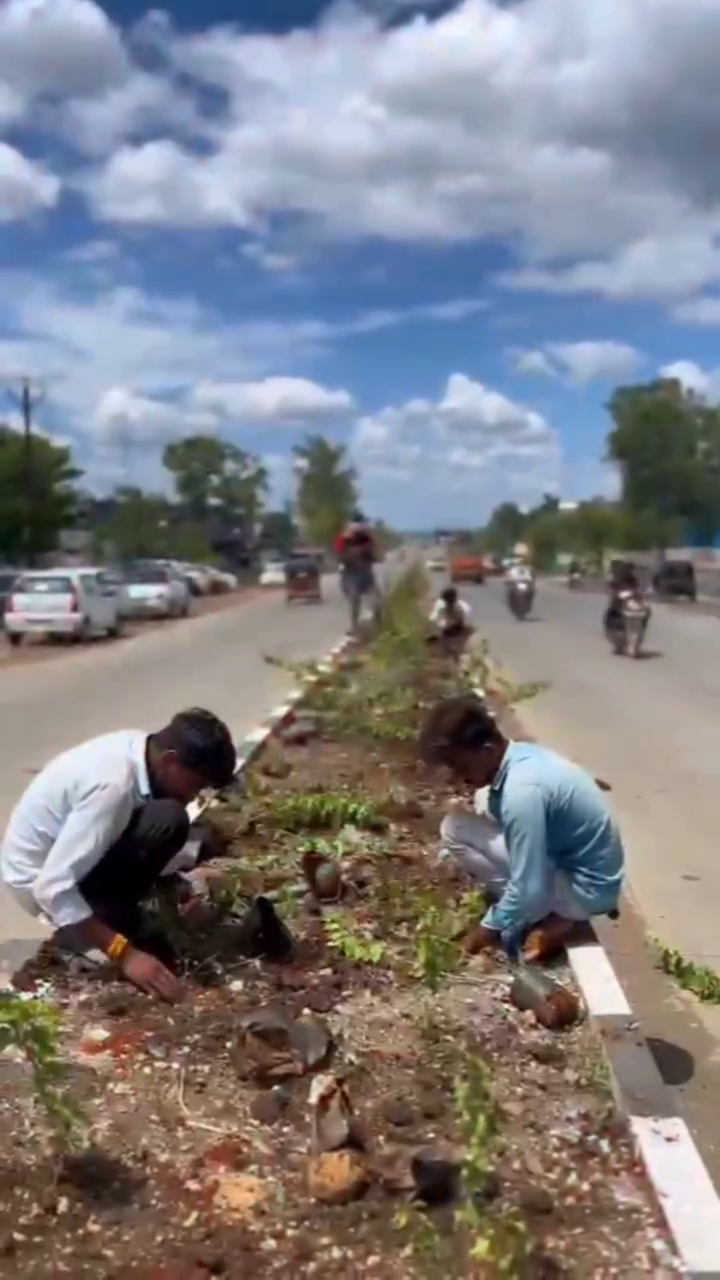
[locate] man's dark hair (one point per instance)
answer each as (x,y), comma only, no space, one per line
(457,724)
(202,743)
(450,595)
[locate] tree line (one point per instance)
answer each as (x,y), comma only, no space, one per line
(217,496)
(664,441)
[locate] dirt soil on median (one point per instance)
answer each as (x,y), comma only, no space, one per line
(205,1152)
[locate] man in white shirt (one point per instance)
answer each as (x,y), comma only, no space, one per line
(452,623)
(98,827)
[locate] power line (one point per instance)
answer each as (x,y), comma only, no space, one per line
(27,397)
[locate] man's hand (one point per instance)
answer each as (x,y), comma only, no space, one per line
(481,939)
(150,975)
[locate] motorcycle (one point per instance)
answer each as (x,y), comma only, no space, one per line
(626,626)
(574,580)
(520,599)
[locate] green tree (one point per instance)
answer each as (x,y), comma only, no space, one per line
(666,443)
(592,529)
(38,494)
(213,477)
(278,530)
(326,489)
(507,525)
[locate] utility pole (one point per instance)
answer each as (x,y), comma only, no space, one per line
(27,398)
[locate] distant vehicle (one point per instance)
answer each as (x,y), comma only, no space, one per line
(676,579)
(436,564)
(273,574)
(466,565)
(156,591)
(74,604)
(7,578)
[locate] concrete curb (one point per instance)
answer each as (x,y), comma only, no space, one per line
(672,1162)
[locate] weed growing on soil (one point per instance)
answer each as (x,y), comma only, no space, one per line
(356,944)
(297,811)
(34,1028)
(499,1241)
(698,979)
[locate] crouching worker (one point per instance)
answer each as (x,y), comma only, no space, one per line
(100,825)
(451,620)
(548,852)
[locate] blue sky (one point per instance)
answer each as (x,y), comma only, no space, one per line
(439,233)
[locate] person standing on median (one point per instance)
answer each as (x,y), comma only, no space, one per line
(101,824)
(547,852)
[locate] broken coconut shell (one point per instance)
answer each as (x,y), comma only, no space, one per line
(333,1120)
(338,1177)
(553,1004)
(312,1041)
(323,876)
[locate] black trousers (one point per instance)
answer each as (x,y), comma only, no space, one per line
(130,870)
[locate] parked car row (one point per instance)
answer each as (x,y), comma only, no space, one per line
(81,602)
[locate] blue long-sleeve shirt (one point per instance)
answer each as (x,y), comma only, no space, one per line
(552,815)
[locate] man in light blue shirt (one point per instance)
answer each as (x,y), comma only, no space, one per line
(548,851)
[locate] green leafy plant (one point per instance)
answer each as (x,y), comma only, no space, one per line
(498,1240)
(295,811)
(437,951)
(698,979)
(355,943)
(438,935)
(34,1027)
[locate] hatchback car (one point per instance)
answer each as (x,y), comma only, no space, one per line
(7,578)
(273,574)
(73,604)
(155,591)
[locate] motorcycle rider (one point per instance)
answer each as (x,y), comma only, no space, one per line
(355,549)
(624,587)
(520,571)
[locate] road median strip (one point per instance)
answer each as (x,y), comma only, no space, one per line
(441,1125)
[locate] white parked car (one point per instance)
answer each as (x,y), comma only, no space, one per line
(76,604)
(155,591)
(273,574)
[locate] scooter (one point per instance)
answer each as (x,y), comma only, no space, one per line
(520,599)
(574,580)
(626,629)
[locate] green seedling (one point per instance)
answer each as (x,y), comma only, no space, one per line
(35,1028)
(698,979)
(498,1240)
(355,943)
(296,811)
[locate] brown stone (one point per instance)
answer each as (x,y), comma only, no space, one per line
(239,1195)
(338,1177)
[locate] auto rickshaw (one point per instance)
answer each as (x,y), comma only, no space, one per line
(302,580)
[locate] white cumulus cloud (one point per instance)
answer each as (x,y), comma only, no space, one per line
(275,400)
(580,362)
(24,185)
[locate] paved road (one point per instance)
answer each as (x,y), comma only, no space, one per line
(215,661)
(652,728)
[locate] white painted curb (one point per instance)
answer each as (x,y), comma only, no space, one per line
(673,1165)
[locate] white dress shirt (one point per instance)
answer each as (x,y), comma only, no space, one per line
(68,818)
(461,608)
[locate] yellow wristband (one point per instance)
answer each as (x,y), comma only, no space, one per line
(118,947)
